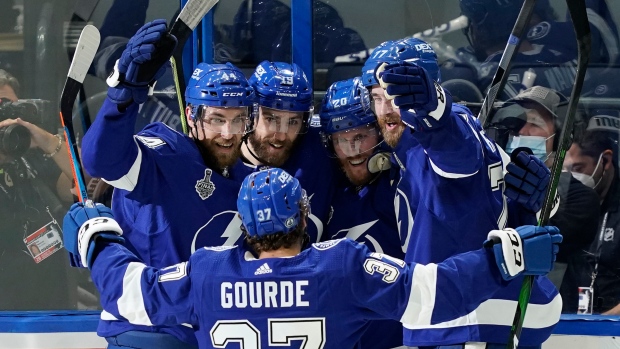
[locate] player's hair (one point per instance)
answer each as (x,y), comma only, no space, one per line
(279,240)
(10,80)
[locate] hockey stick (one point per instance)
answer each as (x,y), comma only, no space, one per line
(578,14)
(82,59)
(191,14)
(500,77)
(82,13)
(458,23)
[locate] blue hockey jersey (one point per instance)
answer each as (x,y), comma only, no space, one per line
(450,195)
(321,297)
(166,200)
(367,216)
(311,165)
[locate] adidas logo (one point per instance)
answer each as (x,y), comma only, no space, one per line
(263,269)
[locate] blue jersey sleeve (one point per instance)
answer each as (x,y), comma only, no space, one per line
(139,294)
(108,148)
(417,294)
(455,149)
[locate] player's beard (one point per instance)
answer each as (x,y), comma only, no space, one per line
(356,171)
(392,129)
(222,152)
(267,153)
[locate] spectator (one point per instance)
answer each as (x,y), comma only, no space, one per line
(534,118)
(33,162)
(593,159)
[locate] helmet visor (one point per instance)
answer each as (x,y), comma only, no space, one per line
(223,120)
(283,121)
(356,141)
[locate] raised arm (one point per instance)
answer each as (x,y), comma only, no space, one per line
(108,149)
(451,142)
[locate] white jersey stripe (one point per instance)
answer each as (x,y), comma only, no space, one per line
(422,299)
(130,180)
(501,312)
(130,303)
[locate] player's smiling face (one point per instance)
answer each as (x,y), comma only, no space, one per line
(219,131)
(353,148)
(388,117)
(275,132)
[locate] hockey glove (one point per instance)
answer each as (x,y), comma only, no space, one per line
(527,181)
(422,101)
(529,250)
(83,226)
(141,64)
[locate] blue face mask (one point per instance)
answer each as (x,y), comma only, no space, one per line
(538,145)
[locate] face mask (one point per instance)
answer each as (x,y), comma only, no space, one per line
(537,144)
(588,180)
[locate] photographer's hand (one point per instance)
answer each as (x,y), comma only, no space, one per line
(49,144)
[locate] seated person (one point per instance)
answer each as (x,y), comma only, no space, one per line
(535,119)
(593,160)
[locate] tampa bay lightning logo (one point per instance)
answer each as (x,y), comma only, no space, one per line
(539,31)
(223,229)
(205,187)
(404,215)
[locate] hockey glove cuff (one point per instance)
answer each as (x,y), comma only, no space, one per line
(81,224)
(530,250)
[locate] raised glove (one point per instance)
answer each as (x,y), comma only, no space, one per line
(528,250)
(141,64)
(527,180)
(82,226)
(422,101)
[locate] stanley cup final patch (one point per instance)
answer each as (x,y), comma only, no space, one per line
(205,187)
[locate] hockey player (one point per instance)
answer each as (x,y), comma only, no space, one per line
(281,136)
(171,193)
(363,208)
(452,177)
(275,294)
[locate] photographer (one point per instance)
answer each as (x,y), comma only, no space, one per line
(35,171)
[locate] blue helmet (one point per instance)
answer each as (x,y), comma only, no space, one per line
(409,49)
(219,85)
(282,86)
(346,105)
(269,202)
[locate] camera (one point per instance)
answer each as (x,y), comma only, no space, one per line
(15,139)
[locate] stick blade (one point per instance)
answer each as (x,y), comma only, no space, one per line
(194,10)
(84,53)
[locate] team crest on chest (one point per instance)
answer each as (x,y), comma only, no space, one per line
(205,187)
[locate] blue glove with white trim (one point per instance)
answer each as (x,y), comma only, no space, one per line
(422,101)
(527,180)
(141,64)
(528,250)
(83,226)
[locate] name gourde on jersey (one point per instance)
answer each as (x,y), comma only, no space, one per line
(267,294)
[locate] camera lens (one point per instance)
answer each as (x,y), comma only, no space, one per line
(14,140)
